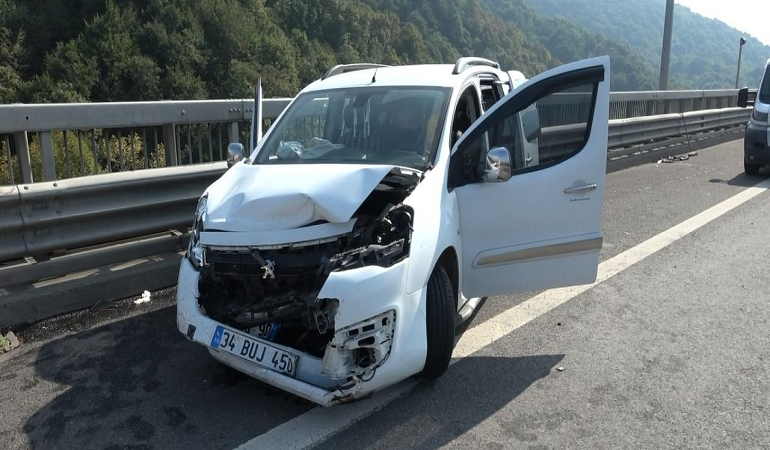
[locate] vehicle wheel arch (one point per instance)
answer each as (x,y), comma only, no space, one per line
(449,260)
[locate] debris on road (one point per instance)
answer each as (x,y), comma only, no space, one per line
(672,159)
(8,342)
(677,158)
(143,299)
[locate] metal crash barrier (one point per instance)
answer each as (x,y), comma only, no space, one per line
(113,235)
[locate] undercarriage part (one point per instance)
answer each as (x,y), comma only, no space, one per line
(356,351)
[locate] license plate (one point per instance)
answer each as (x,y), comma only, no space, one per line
(255,351)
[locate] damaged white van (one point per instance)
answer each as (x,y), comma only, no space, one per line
(341,254)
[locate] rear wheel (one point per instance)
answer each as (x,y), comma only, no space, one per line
(751,169)
(440,318)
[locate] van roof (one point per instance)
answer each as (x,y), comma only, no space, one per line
(428,75)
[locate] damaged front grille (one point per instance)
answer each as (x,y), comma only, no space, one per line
(275,288)
(273,292)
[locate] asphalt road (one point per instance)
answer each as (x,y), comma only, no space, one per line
(672,352)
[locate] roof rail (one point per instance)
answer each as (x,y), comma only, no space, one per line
(345,68)
(464,63)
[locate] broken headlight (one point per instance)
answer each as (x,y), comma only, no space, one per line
(387,239)
(195,252)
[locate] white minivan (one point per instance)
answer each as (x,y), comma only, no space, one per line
(756,144)
(339,256)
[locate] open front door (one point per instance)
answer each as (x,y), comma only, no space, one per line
(536,225)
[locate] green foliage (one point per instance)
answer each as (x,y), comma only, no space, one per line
(127,153)
(704,53)
(11,46)
(4,170)
(74,156)
(111,50)
(569,42)
(128,50)
(60,156)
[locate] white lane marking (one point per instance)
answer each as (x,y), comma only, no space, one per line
(319,424)
(504,323)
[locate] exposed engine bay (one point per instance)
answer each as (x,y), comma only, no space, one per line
(272,292)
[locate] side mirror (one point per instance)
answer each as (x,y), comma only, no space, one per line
(743,98)
(234,153)
(498,165)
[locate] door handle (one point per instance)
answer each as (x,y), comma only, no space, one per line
(579,189)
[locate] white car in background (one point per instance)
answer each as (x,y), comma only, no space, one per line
(384,202)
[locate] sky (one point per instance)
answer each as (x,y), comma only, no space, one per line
(750,16)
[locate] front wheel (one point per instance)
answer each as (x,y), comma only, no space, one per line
(751,169)
(440,318)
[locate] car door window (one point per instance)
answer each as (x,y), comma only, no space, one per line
(491,92)
(546,132)
(467,111)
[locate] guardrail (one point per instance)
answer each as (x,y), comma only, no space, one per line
(642,134)
(54,229)
(114,136)
(59,141)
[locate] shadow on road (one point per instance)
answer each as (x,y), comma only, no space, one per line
(139,384)
(743,179)
(436,413)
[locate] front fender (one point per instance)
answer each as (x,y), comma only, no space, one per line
(436,228)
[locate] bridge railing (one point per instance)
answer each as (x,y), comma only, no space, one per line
(59,141)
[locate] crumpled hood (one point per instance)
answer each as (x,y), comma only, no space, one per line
(286,196)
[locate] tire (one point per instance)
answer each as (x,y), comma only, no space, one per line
(751,169)
(440,322)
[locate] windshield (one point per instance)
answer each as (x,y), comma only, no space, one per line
(397,126)
(764,90)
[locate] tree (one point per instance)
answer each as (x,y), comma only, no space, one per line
(128,50)
(11,46)
(10,81)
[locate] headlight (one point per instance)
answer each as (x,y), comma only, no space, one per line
(385,242)
(759,116)
(195,252)
(200,211)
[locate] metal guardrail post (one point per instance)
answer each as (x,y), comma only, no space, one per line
(22,151)
(629,109)
(650,107)
(46,154)
(9,158)
(234,132)
(169,139)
